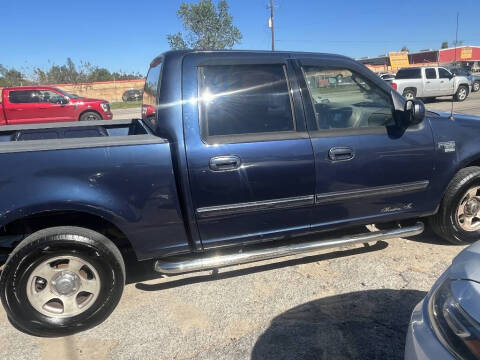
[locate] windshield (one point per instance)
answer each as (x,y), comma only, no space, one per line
(71,96)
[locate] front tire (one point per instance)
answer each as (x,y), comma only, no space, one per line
(458,218)
(62,280)
(462,93)
(90,116)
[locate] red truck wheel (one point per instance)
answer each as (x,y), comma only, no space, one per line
(90,116)
(62,280)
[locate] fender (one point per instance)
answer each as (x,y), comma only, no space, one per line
(456,147)
(132,187)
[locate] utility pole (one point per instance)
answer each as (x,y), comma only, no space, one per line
(270,24)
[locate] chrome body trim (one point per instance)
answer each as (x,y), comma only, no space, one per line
(297,201)
(370,192)
(212,261)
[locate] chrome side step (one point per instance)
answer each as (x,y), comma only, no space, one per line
(206,261)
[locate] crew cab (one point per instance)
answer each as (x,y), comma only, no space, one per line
(431,82)
(238,156)
(38,104)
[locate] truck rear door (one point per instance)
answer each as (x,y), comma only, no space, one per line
(250,159)
(368,169)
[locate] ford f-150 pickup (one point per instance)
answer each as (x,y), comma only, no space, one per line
(40,104)
(237,156)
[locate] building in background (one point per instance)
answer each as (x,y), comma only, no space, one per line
(466,56)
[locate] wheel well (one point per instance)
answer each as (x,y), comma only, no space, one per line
(12,233)
(410,88)
(466,85)
(475,162)
(90,110)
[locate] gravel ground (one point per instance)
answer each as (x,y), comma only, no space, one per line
(470,106)
(349,303)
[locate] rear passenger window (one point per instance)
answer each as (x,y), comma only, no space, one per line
(343,99)
(150,94)
(430,73)
(24,97)
(244,99)
(413,73)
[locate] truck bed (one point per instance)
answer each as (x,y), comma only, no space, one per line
(67,135)
(116,170)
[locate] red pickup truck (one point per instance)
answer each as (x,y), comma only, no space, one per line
(38,104)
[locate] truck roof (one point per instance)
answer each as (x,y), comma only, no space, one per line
(179,54)
(36,87)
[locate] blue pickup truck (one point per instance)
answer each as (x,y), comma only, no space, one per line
(237,156)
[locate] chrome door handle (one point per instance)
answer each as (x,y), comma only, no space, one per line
(341,153)
(223,163)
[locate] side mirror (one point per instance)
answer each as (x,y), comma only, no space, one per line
(414,112)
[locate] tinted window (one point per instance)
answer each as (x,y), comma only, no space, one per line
(409,74)
(23,97)
(444,74)
(244,99)
(344,100)
(430,73)
(150,94)
(35,96)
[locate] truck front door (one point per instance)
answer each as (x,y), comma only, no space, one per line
(447,82)
(368,169)
(250,159)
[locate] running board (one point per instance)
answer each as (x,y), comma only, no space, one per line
(207,262)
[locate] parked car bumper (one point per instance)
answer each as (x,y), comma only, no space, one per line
(107,115)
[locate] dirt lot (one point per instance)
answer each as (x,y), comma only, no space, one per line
(341,304)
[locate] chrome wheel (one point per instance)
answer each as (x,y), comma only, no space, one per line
(476,86)
(409,95)
(462,93)
(63,286)
(468,216)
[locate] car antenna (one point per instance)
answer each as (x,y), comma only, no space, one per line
(455,64)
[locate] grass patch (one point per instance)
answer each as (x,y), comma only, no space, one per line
(125,104)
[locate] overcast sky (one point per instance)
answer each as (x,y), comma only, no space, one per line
(126,35)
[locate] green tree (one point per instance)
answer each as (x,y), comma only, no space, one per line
(404,48)
(444,44)
(12,77)
(207,27)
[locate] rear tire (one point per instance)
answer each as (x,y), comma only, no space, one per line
(462,93)
(409,94)
(62,280)
(458,218)
(90,116)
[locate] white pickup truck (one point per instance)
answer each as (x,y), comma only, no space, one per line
(430,82)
